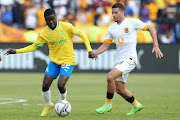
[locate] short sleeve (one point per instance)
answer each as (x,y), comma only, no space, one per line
(40,41)
(138,24)
(108,35)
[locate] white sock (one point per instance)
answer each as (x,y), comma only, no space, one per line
(47,97)
(63,95)
(109,105)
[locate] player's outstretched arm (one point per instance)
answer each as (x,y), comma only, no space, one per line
(102,48)
(86,41)
(22,50)
(155,49)
(88,46)
(0,58)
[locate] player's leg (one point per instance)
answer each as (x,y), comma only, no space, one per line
(51,73)
(127,95)
(46,92)
(65,73)
(125,67)
(112,75)
(61,86)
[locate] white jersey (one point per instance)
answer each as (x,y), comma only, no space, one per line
(125,36)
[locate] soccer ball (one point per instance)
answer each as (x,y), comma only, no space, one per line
(63,108)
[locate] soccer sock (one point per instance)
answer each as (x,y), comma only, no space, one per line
(133,101)
(63,95)
(109,99)
(47,97)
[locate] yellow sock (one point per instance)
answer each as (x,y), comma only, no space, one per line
(108,101)
(135,103)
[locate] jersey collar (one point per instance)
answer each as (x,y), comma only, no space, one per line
(121,22)
(55,27)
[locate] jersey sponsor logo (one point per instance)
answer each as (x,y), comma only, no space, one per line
(126,30)
(59,42)
(120,40)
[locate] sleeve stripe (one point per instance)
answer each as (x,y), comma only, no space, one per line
(39,45)
(108,41)
(78,33)
(145,27)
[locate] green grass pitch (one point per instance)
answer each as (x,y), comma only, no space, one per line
(158,93)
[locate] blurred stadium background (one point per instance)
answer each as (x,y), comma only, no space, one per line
(22,20)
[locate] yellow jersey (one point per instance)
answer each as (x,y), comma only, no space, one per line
(60,42)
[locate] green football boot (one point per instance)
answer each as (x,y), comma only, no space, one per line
(103,109)
(134,110)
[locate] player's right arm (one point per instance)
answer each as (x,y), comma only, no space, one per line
(38,43)
(22,50)
(106,44)
(103,47)
(0,58)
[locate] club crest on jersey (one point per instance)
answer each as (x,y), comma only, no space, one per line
(126,30)
(61,34)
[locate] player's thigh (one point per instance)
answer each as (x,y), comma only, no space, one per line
(113,74)
(66,70)
(125,67)
(52,70)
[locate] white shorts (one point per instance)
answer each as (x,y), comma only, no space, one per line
(125,67)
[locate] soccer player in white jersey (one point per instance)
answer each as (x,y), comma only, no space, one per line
(124,32)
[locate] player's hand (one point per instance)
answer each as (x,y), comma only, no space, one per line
(157,51)
(0,58)
(10,51)
(91,54)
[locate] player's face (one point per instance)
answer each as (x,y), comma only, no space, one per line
(51,21)
(117,14)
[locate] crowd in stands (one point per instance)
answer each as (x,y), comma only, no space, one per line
(164,15)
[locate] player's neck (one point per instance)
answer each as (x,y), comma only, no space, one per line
(120,21)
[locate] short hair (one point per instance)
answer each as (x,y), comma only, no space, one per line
(118,5)
(48,12)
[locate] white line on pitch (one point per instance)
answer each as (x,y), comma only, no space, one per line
(11,100)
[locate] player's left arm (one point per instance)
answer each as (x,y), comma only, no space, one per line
(155,49)
(88,46)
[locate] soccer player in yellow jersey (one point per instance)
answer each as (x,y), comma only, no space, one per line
(58,36)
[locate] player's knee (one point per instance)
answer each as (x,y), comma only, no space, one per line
(61,86)
(45,88)
(109,78)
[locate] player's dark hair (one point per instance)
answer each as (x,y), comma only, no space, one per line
(118,5)
(48,12)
